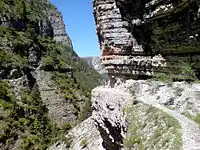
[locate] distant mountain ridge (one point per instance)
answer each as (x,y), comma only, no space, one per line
(95,63)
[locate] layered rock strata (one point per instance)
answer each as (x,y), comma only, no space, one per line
(115,38)
(133,32)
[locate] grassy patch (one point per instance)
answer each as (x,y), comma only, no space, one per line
(150,128)
(195,118)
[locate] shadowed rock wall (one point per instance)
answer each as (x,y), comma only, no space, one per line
(132,32)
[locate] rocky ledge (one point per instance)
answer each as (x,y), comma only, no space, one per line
(148,114)
(132,32)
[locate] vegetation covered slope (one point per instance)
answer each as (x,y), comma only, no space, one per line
(24,124)
(150,128)
(27,46)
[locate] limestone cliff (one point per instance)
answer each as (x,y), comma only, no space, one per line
(132,32)
(141,39)
(58,26)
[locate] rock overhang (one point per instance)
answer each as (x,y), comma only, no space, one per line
(133,33)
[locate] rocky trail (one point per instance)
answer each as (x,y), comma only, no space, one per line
(190,130)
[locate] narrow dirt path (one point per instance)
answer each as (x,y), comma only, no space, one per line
(190,130)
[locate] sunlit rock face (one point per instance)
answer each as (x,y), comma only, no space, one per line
(138,36)
(115,37)
(58,26)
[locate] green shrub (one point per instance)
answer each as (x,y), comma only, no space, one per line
(177,70)
(197,119)
(5,58)
(67,126)
(84,143)
(48,63)
(163,77)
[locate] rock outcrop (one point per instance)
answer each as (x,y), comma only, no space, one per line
(108,114)
(132,32)
(86,136)
(59,31)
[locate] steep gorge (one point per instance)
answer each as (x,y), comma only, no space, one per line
(44,85)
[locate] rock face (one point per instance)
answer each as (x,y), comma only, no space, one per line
(21,76)
(37,58)
(58,26)
(108,105)
(132,32)
(85,131)
(52,23)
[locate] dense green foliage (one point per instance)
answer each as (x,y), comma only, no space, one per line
(24,9)
(63,59)
(25,121)
(14,45)
(13,9)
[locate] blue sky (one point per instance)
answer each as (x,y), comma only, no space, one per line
(80,26)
